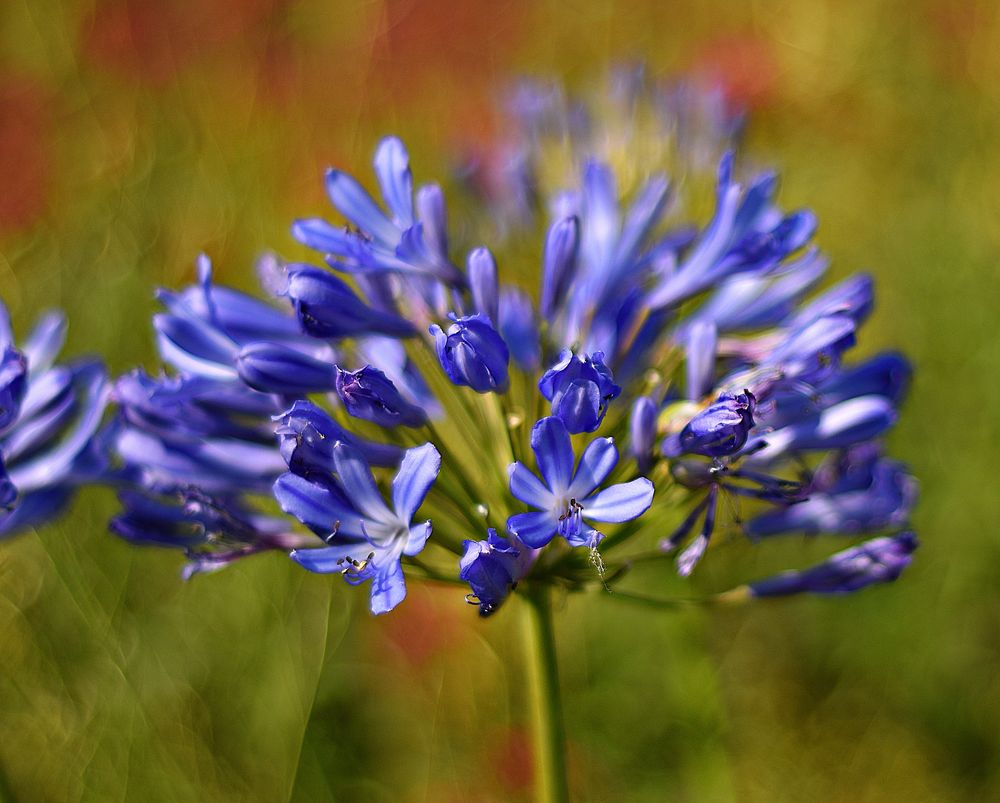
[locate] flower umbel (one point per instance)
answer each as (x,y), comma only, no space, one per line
(704,352)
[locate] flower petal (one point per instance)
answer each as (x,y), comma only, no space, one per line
(317,507)
(358,483)
(354,203)
(596,463)
(535,529)
(524,485)
(416,474)
(553,452)
(622,502)
(392,167)
(388,588)
(326,560)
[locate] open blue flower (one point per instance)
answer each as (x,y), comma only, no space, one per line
(568,500)
(365,537)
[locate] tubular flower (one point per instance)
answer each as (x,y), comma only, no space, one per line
(51,440)
(709,352)
(365,537)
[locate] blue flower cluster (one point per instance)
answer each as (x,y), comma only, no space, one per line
(401,379)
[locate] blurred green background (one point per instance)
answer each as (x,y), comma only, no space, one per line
(134,135)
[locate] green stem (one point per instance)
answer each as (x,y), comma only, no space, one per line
(551,785)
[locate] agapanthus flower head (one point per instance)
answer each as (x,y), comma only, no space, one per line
(703,348)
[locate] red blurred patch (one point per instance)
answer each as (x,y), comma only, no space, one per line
(510,753)
(743,65)
(953,28)
(429,622)
(455,37)
(153,41)
(25,150)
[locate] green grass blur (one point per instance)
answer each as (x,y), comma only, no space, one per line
(134,135)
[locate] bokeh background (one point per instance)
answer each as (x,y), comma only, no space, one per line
(134,135)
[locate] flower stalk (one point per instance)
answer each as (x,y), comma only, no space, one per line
(549,732)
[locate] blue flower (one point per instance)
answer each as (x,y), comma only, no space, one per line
(880,560)
(369,394)
(568,500)
(212,531)
(492,568)
(182,432)
(276,368)
(579,387)
(720,429)
(857,491)
(405,240)
(327,307)
(307,434)
(366,538)
(472,353)
(51,440)
(205,327)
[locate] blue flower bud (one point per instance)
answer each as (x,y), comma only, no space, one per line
(558,262)
(273,368)
(369,394)
(880,560)
(472,353)
(720,429)
(327,307)
(483,283)
(642,431)
(579,387)
(519,328)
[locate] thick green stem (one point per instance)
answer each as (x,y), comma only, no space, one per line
(551,784)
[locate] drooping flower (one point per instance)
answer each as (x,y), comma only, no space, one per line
(369,394)
(212,531)
(492,568)
(366,538)
(567,500)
